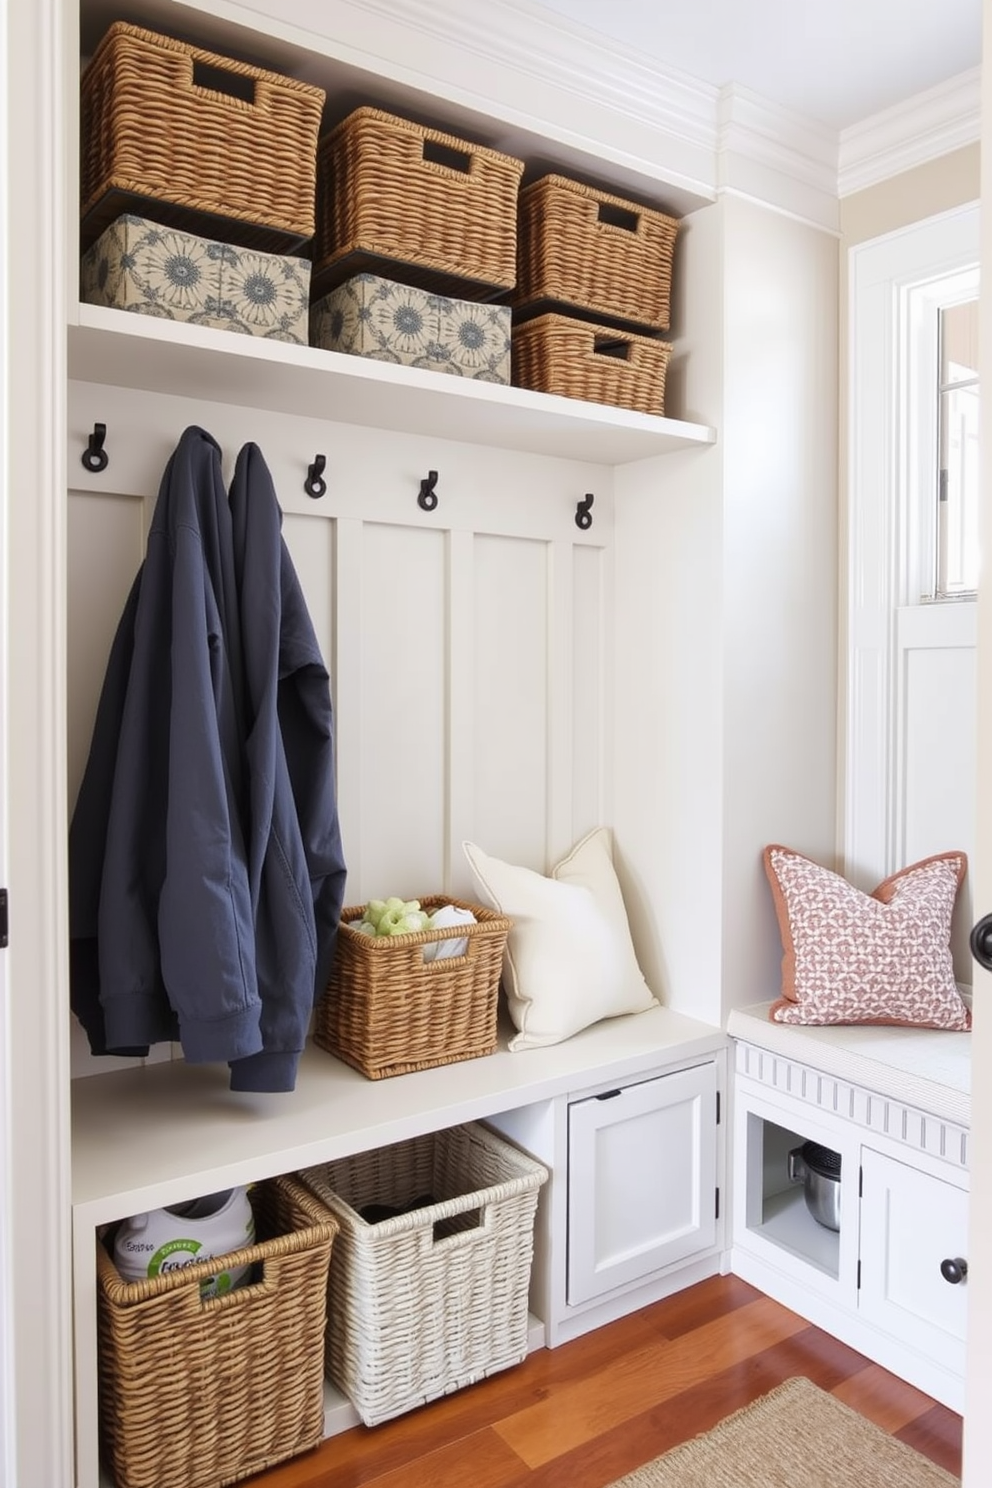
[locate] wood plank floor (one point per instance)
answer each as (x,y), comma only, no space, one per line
(582,1415)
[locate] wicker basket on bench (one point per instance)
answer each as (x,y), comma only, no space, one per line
(387,1011)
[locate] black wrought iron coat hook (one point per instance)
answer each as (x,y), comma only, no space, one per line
(94,456)
(315,484)
(583,512)
(427,497)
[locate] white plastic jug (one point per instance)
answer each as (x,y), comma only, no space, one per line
(182,1234)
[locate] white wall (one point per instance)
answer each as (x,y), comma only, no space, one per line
(669,724)
(726,593)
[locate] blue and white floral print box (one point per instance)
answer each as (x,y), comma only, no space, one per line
(138,265)
(374,317)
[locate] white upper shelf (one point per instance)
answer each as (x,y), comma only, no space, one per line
(122,349)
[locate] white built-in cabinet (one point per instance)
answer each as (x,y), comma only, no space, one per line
(500,732)
(892,1280)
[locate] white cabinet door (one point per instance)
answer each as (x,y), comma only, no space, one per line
(911,1222)
(641,1180)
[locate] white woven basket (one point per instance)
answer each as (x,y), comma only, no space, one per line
(432,1299)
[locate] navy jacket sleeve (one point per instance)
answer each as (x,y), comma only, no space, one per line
(87,846)
(174,854)
(295,862)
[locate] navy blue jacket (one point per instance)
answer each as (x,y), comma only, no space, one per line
(204,843)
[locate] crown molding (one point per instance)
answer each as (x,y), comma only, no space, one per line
(661,129)
(770,154)
(912,133)
(537,43)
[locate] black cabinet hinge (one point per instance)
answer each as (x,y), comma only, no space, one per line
(859,1276)
(3,919)
(861,1183)
(718,1108)
(718,1204)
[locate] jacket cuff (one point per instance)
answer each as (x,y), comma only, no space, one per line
(234,1037)
(133,1022)
(269,1072)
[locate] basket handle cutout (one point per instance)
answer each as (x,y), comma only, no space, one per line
(219,80)
(610,346)
(456,1224)
(438,154)
(253,1285)
(614,216)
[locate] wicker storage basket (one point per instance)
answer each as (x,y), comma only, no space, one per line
(196,1393)
(596,252)
(387,1011)
(433,1298)
(391,192)
(556,354)
(191,139)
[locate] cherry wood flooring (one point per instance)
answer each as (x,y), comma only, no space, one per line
(583,1414)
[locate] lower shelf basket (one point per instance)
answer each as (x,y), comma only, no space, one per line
(433,1295)
(576,359)
(199,1392)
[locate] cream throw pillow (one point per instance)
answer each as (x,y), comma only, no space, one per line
(569,959)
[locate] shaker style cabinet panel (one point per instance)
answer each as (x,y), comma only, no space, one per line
(914,1248)
(641,1179)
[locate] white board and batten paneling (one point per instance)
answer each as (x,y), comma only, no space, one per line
(467,645)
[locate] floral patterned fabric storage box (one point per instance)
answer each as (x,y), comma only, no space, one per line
(374,317)
(138,265)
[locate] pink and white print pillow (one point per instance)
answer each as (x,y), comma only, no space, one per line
(851,957)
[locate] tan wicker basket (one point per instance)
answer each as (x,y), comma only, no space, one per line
(391,192)
(556,354)
(192,139)
(387,1011)
(584,248)
(433,1298)
(197,1393)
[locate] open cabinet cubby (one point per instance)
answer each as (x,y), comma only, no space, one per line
(776,1205)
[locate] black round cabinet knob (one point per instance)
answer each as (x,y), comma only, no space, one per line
(981,942)
(954,1270)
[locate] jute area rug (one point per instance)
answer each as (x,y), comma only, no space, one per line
(798,1436)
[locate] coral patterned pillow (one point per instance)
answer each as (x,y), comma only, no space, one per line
(851,957)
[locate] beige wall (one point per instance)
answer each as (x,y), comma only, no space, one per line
(939,186)
(935,187)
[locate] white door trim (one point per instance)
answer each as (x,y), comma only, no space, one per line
(978,1417)
(32,756)
(880,551)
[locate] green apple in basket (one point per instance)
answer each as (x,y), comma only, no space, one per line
(392,917)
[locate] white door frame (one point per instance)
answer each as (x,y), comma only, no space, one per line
(978,1417)
(7,1415)
(884,560)
(34,1125)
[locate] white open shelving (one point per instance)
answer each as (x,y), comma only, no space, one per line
(158,1134)
(123,349)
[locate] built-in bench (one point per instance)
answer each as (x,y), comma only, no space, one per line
(894,1104)
(925,1067)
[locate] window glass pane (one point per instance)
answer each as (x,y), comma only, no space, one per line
(958,507)
(958,343)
